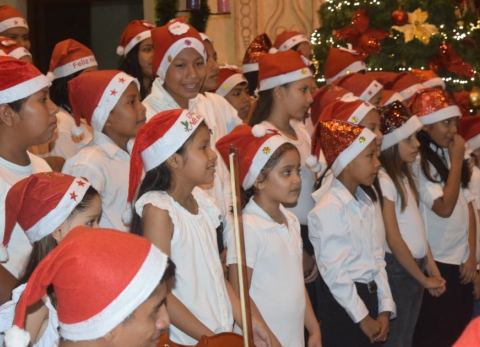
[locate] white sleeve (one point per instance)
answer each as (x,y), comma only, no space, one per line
(388,187)
(428,191)
(253,244)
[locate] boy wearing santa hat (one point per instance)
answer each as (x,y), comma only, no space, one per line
(14,26)
(233,86)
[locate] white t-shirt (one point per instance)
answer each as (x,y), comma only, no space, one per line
(199,280)
(107,167)
(19,247)
(474,188)
(274,252)
(64,146)
(409,220)
(447,237)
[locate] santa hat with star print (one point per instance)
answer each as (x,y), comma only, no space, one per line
(99,277)
(11,18)
(93,94)
(257,48)
(255,147)
(342,61)
(12,49)
(19,79)
(288,39)
(361,85)
(398,124)
(68,57)
(324,96)
(169,40)
(156,141)
(40,203)
(469,129)
(229,76)
(281,68)
(407,84)
(348,109)
(340,143)
(135,32)
(433,105)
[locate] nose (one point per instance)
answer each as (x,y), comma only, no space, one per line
(51,107)
(212,154)
(415,142)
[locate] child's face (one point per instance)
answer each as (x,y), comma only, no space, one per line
(185,76)
(297,97)
(238,97)
(199,160)
(128,115)
(305,49)
(283,182)
(20,35)
(212,68)
(442,133)
(376,98)
(145,325)
(145,56)
(373,122)
(365,166)
(36,119)
(408,148)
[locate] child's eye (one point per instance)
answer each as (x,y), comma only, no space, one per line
(200,63)
(180,66)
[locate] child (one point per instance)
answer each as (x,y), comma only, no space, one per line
(355,301)
(118,301)
(27,118)
(69,59)
(408,253)
(233,86)
(257,48)
(180,219)
(362,86)
(14,26)
(13,49)
(210,82)
(136,48)
(295,41)
(110,102)
(341,62)
(443,177)
(47,206)
(269,168)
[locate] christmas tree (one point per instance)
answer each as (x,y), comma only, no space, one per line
(399,35)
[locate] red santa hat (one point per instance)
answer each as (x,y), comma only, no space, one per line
(257,48)
(385,78)
(361,85)
(430,79)
(93,94)
(407,84)
(281,68)
(11,18)
(99,277)
(398,124)
(342,61)
(40,203)
(470,130)
(70,56)
(324,96)
(12,49)
(229,77)
(169,40)
(348,109)
(135,32)
(433,105)
(288,39)
(255,146)
(389,96)
(156,141)
(19,79)
(340,142)
(470,336)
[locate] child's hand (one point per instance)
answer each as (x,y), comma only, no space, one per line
(456,148)
(370,327)
(468,270)
(384,321)
(315,339)
(433,282)
(261,337)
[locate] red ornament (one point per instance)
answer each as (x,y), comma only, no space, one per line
(399,17)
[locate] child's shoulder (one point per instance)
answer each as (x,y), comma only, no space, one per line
(91,154)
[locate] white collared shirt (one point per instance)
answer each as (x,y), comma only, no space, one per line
(274,252)
(106,166)
(447,237)
(409,220)
(342,229)
(19,247)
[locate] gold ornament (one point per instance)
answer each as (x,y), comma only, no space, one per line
(417,28)
(475,97)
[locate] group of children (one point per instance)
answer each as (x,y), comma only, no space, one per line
(360,198)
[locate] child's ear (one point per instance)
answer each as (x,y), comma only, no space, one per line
(175,161)
(7,115)
(259,182)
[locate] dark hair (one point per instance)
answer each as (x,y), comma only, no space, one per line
(59,91)
(169,273)
(428,156)
(269,165)
(17,104)
(263,107)
(252,80)
(397,169)
(131,66)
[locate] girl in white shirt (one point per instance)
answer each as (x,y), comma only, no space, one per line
(355,302)
(179,218)
(269,168)
(447,211)
(46,206)
(408,254)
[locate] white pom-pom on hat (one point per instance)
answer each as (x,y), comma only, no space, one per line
(16,337)
(77,131)
(50,76)
(272,50)
(178,28)
(120,50)
(311,161)
(3,254)
(259,130)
